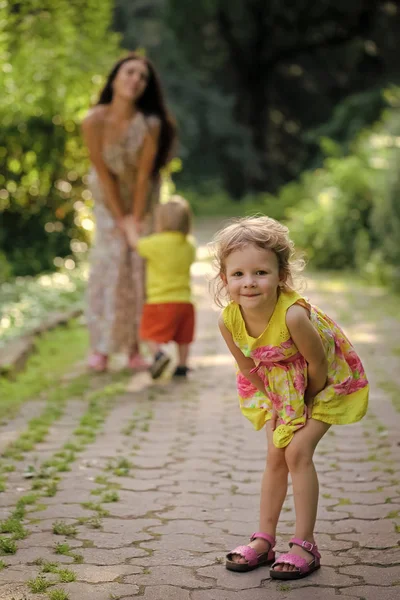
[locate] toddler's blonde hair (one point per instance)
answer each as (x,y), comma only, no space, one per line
(262,232)
(175,215)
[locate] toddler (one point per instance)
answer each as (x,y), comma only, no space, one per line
(168,314)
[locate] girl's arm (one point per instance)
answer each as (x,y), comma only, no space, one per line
(244,363)
(145,168)
(92,133)
(309,344)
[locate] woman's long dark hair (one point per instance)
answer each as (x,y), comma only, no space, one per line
(151,102)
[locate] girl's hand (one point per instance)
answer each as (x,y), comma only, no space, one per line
(309,408)
(274,419)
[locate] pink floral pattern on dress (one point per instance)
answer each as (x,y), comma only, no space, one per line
(355,363)
(284,372)
(299,383)
(276,400)
(245,388)
(268,354)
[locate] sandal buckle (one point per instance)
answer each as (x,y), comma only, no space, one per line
(308,546)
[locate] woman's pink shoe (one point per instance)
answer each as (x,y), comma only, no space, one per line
(98,362)
(138,363)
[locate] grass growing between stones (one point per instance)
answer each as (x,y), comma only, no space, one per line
(60,528)
(46,476)
(39,584)
(58,595)
(7,546)
(37,430)
(65,549)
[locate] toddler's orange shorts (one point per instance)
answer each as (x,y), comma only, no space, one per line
(169,322)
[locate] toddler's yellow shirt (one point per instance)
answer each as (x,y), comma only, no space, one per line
(169,256)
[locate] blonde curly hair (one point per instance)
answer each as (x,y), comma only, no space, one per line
(262,232)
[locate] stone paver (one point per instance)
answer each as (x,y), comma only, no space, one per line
(185,494)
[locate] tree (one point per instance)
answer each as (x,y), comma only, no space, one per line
(52,53)
(287,65)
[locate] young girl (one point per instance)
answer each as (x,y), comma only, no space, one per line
(297,374)
(168,314)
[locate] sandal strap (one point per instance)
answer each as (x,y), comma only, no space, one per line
(264,536)
(308,546)
(246,552)
(295,561)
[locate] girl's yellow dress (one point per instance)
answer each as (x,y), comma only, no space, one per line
(284,372)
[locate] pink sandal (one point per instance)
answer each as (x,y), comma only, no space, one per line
(254,560)
(303,567)
(138,363)
(98,362)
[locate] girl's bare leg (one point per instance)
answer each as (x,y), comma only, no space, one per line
(299,459)
(273,493)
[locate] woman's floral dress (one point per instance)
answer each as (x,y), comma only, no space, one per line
(115,293)
(284,372)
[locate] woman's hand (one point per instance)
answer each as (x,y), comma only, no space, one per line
(130,229)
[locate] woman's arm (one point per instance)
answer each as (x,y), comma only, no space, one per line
(92,133)
(244,363)
(309,344)
(145,168)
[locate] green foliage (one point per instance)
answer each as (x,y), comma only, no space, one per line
(27,301)
(347,213)
(52,54)
(55,353)
(209,200)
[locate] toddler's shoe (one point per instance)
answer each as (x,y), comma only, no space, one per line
(160,363)
(181,372)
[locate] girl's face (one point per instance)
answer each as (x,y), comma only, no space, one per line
(252,277)
(131,79)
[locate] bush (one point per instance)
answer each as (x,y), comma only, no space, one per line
(347,213)
(211,201)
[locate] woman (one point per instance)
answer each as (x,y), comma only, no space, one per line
(129,135)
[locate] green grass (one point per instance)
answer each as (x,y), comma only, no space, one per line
(3,565)
(101,480)
(62,548)
(39,584)
(110,497)
(102,512)
(60,528)
(50,567)
(92,522)
(14,527)
(44,478)
(78,558)
(121,467)
(55,353)
(7,546)
(66,576)
(58,595)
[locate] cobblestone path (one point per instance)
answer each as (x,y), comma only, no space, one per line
(168,482)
